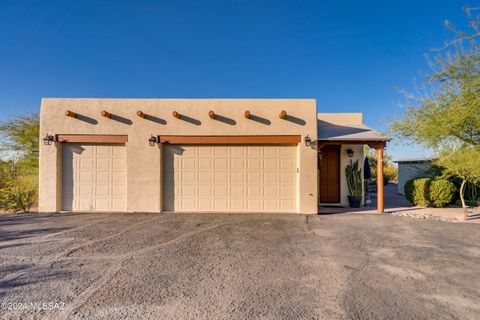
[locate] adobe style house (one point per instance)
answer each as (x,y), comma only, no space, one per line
(202,155)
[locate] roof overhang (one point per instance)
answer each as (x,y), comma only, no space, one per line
(371,144)
(330,133)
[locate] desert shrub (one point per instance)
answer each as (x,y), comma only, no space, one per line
(441,192)
(14,198)
(408,189)
(430,192)
(18,187)
(417,190)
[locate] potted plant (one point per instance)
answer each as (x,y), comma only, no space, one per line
(354,183)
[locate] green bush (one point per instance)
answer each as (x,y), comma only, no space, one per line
(429,192)
(17,196)
(408,189)
(441,192)
(16,200)
(416,191)
(18,187)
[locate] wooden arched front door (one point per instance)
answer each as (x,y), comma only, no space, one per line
(329,165)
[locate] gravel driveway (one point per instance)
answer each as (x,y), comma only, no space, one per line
(219,266)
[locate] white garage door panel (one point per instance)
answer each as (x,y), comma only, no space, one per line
(230,178)
(93,177)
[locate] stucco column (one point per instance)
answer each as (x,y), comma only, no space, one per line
(380,194)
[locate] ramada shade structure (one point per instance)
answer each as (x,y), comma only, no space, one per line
(334,134)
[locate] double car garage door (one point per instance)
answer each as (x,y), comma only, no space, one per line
(205,178)
(239,178)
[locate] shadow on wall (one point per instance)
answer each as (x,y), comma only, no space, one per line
(295,120)
(121,119)
(155,119)
(67,166)
(260,119)
(190,120)
(76,148)
(193,121)
(86,119)
(225,120)
(169,152)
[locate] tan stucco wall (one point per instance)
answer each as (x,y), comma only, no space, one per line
(144,162)
(353,119)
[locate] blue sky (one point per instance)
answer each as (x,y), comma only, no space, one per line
(349,55)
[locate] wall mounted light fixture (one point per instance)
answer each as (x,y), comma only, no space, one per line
(152,141)
(141,114)
(176,114)
(246,114)
(350,153)
(283,114)
(308,141)
(211,114)
(48,139)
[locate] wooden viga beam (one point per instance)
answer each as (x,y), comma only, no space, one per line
(70,113)
(106,114)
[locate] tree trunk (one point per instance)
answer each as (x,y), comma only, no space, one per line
(462,198)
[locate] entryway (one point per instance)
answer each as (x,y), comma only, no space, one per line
(329,174)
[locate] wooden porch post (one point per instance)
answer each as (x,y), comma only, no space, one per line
(380,196)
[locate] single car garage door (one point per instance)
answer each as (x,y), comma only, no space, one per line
(93,177)
(237,178)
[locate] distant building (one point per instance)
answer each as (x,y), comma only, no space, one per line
(411,168)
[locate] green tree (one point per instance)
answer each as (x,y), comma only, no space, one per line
(445,116)
(462,163)
(19,163)
(20,138)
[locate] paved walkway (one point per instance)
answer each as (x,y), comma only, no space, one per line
(396,204)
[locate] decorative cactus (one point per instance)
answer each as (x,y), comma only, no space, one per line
(354,179)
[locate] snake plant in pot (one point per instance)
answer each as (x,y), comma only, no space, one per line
(354,183)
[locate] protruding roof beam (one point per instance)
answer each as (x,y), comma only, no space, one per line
(106,114)
(69,113)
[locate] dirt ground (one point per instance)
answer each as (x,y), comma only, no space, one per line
(220,266)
